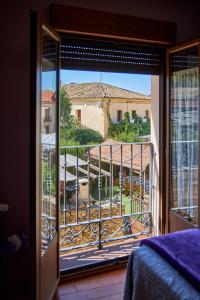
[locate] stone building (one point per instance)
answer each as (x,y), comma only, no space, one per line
(48,111)
(93,102)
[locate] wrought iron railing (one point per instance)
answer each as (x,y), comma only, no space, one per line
(105,193)
(48,118)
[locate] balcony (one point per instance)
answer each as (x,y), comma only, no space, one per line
(105,200)
(47,119)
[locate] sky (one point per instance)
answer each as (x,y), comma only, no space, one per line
(133,82)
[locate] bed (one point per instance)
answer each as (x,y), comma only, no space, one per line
(166,267)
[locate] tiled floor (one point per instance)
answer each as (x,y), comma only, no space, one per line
(107,286)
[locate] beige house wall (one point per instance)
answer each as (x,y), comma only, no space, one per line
(52,113)
(139,106)
(94,112)
(92,115)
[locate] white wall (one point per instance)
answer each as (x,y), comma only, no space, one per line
(139,107)
(52,114)
(92,115)
(155,140)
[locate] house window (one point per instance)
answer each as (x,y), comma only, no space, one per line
(78,115)
(119,115)
(147,114)
(133,114)
(47,115)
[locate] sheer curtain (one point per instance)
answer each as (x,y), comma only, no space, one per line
(184,141)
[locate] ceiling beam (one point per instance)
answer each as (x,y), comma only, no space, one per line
(110,25)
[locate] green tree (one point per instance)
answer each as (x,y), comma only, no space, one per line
(70,132)
(67,121)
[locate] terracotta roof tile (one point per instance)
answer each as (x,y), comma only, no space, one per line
(126,154)
(48,96)
(101,90)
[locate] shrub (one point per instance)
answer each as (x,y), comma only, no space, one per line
(127,131)
(127,137)
(87,136)
(73,150)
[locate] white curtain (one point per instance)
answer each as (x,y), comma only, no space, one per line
(184,140)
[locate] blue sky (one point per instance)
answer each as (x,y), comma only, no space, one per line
(133,82)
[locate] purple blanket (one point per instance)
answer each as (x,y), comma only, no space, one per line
(182,250)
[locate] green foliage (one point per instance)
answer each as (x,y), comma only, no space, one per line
(116,190)
(72,151)
(67,133)
(126,199)
(127,131)
(70,133)
(49,186)
(128,137)
(146,128)
(87,136)
(67,121)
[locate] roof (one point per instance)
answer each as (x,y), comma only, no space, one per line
(71,161)
(92,90)
(126,154)
(69,176)
(48,96)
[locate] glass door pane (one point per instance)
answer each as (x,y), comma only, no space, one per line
(48,140)
(184,133)
(48,161)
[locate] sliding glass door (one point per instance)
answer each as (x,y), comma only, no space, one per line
(184,136)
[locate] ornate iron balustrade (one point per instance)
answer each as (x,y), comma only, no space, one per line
(105,193)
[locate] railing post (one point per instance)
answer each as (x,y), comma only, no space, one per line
(49,178)
(100,182)
(131,180)
(150,175)
(120,180)
(88,166)
(64,192)
(111,182)
(151,185)
(77,188)
(141,179)
(99,241)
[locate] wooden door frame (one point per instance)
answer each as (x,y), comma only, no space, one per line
(108,36)
(132,30)
(161,116)
(162,99)
(162,199)
(37,25)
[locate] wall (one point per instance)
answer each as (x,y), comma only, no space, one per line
(155,141)
(50,122)
(15,95)
(92,115)
(140,108)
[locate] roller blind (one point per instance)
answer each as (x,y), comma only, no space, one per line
(186,59)
(86,54)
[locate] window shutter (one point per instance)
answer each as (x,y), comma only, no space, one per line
(86,54)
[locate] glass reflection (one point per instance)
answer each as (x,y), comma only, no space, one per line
(48,141)
(184,133)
